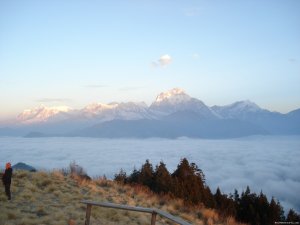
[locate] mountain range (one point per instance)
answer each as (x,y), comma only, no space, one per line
(173,114)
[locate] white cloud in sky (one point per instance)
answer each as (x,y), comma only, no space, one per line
(163,61)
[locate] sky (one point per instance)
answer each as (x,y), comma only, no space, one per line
(74,53)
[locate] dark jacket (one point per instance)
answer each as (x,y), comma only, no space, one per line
(6,178)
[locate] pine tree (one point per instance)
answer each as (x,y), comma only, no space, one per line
(134,176)
(121,177)
(262,206)
(276,213)
(218,198)
(189,182)
(209,200)
(225,204)
(146,176)
(292,216)
(246,211)
(162,179)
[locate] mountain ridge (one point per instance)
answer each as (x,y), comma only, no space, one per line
(165,103)
(173,114)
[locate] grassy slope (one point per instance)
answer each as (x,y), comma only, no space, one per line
(52,198)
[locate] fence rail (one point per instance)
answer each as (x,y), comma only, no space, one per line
(152,211)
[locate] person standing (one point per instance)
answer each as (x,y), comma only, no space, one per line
(6,179)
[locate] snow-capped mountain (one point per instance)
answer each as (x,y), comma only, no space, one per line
(43,114)
(173,114)
(96,109)
(95,112)
(121,111)
(173,96)
(272,122)
(176,100)
(240,109)
(166,103)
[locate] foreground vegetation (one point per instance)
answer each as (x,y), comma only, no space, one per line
(54,198)
(187,182)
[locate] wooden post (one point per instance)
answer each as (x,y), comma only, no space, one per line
(153,219)
(88,214)
(152,211)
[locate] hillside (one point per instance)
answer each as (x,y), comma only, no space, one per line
(54,198)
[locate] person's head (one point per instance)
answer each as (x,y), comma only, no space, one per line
(8,165)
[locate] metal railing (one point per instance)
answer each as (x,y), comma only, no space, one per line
(154,212)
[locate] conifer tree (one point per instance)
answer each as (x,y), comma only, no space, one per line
(134,176)
(121,177)
(292,216)
(146,176)
(162,179)
(225,205)
(276,213)
(262,206)
(189,182)
(209,200)
(246,210)
(236,198)
(218,198)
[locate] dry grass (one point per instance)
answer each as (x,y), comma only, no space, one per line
(52,198)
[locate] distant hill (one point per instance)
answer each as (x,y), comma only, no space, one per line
(173,114)
(23,166)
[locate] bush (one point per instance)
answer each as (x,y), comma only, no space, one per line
(76,170)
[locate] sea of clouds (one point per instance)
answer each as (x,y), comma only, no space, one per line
(267,163)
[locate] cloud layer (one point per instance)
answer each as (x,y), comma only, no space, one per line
(269,164)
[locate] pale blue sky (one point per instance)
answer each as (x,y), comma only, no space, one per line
(64,52)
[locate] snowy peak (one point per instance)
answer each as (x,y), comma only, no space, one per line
(132,111)
(245,106)
(173,95)
(240,106)
(238,109)
(95,112)
(121,111)
(97,108)
(41,114)
(177,100)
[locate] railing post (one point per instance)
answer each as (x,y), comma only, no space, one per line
(88,214)
(153,218)
(154,212)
